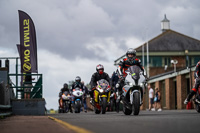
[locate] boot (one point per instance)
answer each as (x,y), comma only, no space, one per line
(190,95)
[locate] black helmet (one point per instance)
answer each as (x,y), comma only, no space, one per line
(65,85)
(78,79)
(132,52)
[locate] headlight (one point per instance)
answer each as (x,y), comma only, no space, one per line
(100,90)
(141,85)
(131,84)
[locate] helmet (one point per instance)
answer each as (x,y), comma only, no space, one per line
(82,82)
(100,67)
(78,79)
(65,85)
(132,52)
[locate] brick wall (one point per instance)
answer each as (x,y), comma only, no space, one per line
(170,95)
(181,61)
(158,70)
(181,91)
(158,85)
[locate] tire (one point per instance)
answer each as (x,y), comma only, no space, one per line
(78,106)
(197,108)
(126,110)
(97,111)
(136,103)
(117,107)
(59,110)
(104,105)
(65,108)
(111,104)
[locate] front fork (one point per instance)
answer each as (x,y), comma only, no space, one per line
(131,96)
(97,96)
(118,97)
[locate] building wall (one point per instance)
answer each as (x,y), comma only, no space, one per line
(181,91)
(175,91)
(170,96)
(159,70)
(181,61)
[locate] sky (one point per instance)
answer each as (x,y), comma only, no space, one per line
(73,36)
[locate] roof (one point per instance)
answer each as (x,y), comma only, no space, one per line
(170,41)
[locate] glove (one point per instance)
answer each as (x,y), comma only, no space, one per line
(121,77)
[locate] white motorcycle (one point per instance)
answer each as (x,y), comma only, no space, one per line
(78,99)
(132,91)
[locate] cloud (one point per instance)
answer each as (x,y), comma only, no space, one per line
(57,70)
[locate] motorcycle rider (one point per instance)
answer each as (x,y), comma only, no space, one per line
(98,75)
(196,85)
(114,80)
(62,90)
(130,60)
(77,83)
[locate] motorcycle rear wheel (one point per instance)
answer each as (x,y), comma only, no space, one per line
(136,103)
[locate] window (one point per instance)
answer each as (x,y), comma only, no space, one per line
(194,60)
(155,61)
(167,61)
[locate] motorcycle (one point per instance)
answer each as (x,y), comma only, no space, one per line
(77,99)
(65,102)
(197,100)
(101,96)
(132,91)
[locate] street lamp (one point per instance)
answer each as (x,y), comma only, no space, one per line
(174,62)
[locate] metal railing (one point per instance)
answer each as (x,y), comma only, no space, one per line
(36,86)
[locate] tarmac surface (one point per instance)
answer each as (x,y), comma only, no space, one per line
(32,124)
(166,121)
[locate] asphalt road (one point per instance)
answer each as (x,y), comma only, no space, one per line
(167,121)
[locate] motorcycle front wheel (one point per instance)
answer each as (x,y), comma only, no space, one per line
(136,103)
(111,104)
(197,108)
(78,106)
(65,107)
(117,107)
(97,111)
(104,105)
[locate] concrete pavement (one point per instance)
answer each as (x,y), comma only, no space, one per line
(32,124)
